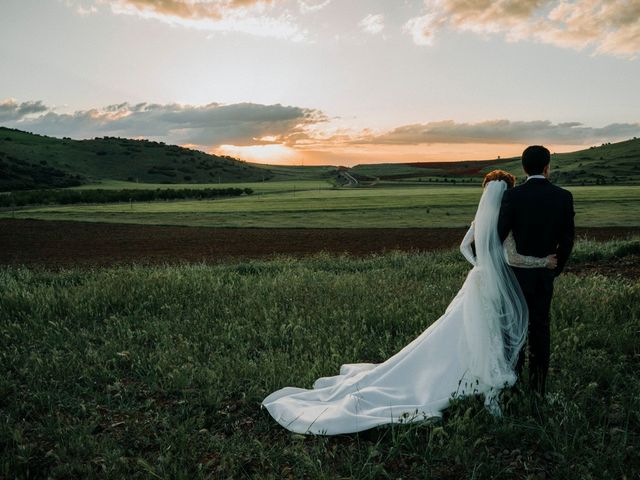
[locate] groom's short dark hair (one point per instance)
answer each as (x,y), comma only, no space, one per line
(534,159)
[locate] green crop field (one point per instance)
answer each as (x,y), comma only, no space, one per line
(158,372)
(308,206)
(258,187)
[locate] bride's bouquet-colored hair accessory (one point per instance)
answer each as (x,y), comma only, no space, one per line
(509,179)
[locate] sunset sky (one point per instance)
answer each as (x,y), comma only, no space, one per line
(326,81)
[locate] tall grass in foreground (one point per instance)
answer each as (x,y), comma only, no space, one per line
(158,372)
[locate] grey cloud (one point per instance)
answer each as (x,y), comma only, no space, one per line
(248,123)
(502,131)
(11,110)
(212,124)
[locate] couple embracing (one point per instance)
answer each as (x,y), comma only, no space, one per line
(518,243)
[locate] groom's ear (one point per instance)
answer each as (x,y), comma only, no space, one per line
(545,171)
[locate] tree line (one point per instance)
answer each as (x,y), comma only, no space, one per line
(67,197)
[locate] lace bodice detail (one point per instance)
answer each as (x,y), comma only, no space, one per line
(513,257)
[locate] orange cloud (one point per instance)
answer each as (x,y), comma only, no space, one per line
(214,10)
(607,26)
(255,17)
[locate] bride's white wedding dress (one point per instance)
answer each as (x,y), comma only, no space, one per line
(471,349)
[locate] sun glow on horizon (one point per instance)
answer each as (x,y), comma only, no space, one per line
(341,155)
(269,154)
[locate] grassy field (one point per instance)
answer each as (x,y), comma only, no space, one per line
(158,372)
(312,204)
(279,186)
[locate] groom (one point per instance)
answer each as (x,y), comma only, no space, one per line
(540,215)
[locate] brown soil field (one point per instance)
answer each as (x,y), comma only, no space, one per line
(52,244)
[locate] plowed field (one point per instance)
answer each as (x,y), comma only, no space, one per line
(66,244)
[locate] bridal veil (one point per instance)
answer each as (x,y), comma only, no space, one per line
(471,349)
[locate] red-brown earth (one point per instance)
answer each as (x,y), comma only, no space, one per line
(53,244)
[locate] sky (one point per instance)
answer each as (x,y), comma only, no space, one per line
(337,82)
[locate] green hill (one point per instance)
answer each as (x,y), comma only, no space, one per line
(29,161)
(610,163)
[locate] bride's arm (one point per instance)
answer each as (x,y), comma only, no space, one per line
(465,246)
(523,261)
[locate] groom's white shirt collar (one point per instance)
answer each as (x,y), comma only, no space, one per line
(535,176)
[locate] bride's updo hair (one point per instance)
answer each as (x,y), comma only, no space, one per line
(499,175)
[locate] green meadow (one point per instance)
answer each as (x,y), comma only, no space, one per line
(274,186)
(158,372)
(301,204)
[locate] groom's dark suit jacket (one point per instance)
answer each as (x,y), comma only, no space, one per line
(540,215)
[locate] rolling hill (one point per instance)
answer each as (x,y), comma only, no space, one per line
(609,163)
(29,161)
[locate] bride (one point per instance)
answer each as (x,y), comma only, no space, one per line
(471,349)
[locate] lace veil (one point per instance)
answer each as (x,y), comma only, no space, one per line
(494,309)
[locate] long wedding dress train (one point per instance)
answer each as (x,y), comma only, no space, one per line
(471,349)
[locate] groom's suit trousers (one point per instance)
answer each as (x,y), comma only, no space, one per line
(537,286)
